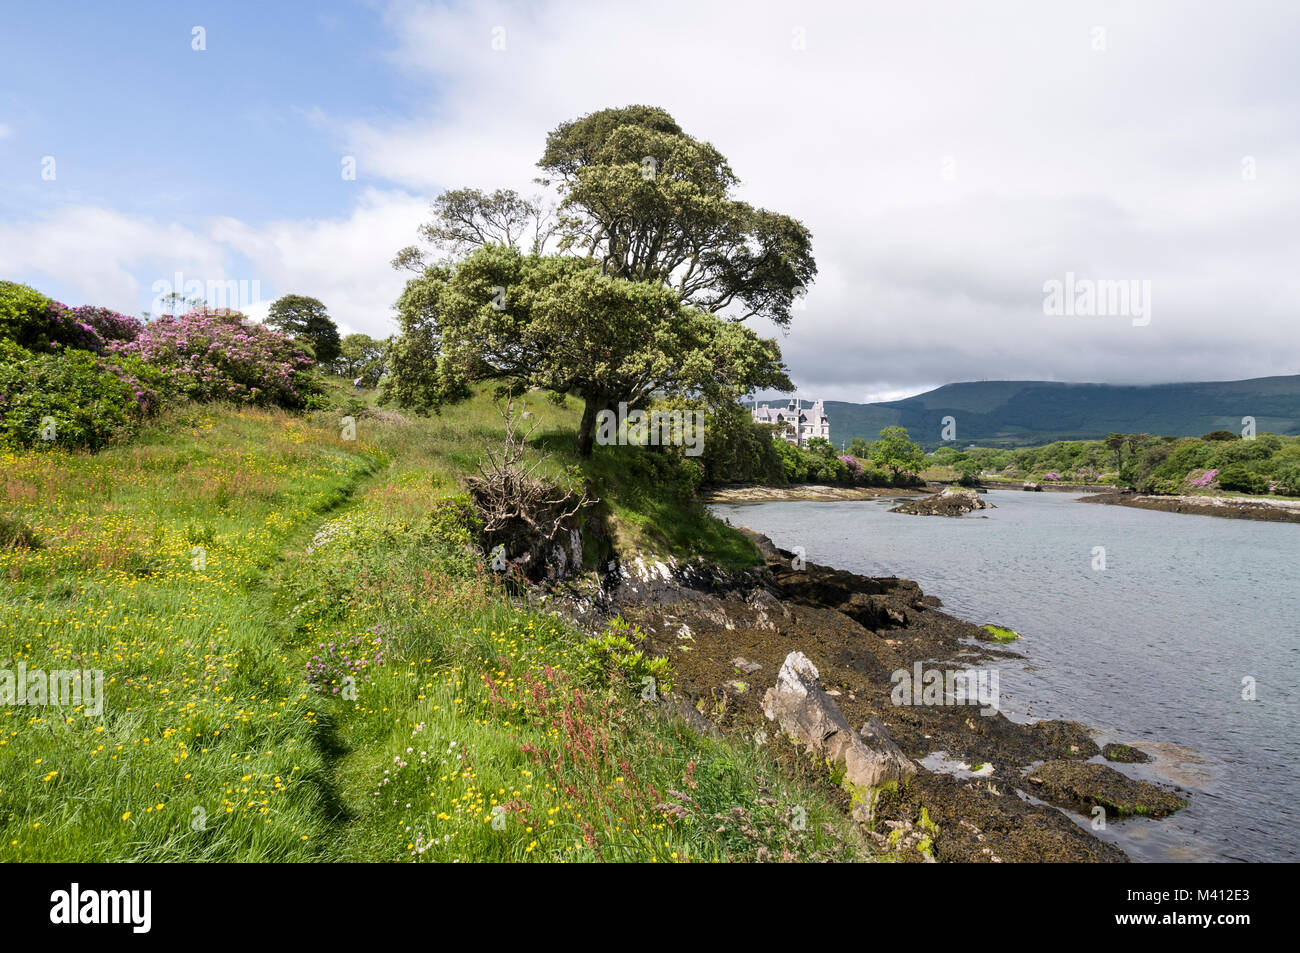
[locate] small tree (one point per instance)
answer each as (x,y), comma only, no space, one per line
(897,452)
(820,446)
(361,356)
(306,320)
(860,447)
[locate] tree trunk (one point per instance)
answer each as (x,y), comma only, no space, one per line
(587,429)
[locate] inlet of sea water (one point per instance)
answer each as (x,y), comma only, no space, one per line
(1154,649)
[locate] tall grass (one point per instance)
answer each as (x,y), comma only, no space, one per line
(305,660)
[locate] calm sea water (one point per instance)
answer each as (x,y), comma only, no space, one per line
(1152,649)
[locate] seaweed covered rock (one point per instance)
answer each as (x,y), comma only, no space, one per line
(1099,784)
(1124,754)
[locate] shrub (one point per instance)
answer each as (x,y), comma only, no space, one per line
(611,655)
(108,324)
(215,355)
(22,313)
(794,462)
(736,449)
(73,399)
(1241,478)
(827,469)
(34,322)
(1288,481)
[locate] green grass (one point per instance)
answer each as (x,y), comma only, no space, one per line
(204,565)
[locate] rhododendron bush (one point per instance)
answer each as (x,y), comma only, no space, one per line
(38,324)
(210,354)
(72,398)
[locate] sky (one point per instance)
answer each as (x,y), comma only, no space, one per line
(952,161)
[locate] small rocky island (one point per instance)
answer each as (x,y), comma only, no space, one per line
(950,502)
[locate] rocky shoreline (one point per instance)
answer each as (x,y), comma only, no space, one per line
(1242,508)
(971,786)
(759,493)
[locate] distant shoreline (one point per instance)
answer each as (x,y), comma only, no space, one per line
(758,493)
(1242,508)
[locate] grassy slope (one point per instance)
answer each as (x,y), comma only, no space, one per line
(214,744)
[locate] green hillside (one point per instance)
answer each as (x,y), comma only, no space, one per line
(1029,413)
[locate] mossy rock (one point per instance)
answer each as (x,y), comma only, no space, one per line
(1091,784)
(1124,754)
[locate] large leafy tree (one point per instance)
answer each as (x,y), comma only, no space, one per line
(307,320)
(646,202)
(563,324)
(653,263)
(649,202)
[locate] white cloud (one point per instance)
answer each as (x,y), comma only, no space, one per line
(949,158)
(1122,163)
(113,259)
(343,262)
(102,253)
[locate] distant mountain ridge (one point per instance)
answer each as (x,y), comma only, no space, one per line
(1028,413)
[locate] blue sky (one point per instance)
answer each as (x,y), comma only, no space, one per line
(137,117)
(949,159)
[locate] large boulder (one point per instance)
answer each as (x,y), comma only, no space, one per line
(803,709)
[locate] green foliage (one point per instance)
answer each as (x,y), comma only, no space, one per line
(1243,479)
(820,447)
(652,245)
(1155,464)
(649,202)
(560,324)
(895,451)
(22,313)
(361,356)
(794,461)
(736,449)
(613,656)
(817,463)
(68,400)
(306,319)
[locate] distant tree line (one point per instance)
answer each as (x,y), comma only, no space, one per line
(1220,460)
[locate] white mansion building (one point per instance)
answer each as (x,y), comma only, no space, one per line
(796,423)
